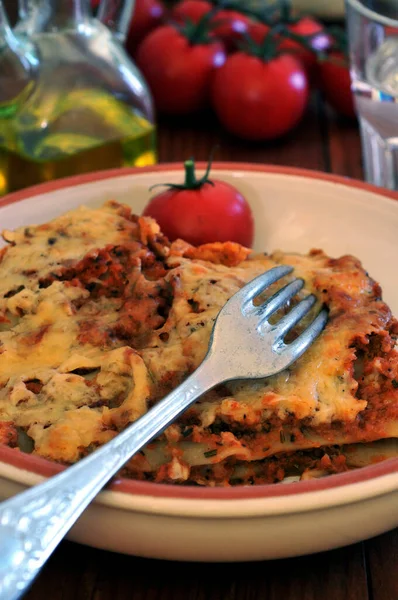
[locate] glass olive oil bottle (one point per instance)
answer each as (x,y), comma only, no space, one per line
(73,102)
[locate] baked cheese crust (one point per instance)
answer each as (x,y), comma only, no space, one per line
(100,317)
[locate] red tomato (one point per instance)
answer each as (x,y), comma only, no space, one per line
(260,100)
(307,27)
(178,72)
(232,24)
(194,10)
(258,31)
(147,15)
(335,82)
(213,212)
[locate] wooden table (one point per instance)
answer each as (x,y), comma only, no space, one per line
(366,571)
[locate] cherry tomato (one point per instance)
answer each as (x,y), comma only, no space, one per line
(389,31)
(232,27)
(178,70)
(232,24)
(335,82)
(147,15)
(203,211)
(307,27)
(257,99)
(190,9)
(258,31)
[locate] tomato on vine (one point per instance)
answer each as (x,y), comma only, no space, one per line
(334,80)
(179,63)
(314,39)
(193,10)
(258,32)
(203,210)
(260,93)
(147,15)
(227,25)
(304,36)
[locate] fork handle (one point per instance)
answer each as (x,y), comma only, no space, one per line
(33,523)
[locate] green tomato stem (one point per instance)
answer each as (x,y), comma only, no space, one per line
(190,178)
(285,11)
(266,50)
(269,47)
(190,183)
(199,33)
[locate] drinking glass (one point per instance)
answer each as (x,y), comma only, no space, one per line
(373,42)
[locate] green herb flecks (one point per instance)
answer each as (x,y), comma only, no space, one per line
(210,453)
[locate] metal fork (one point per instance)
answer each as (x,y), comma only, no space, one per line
(243,345)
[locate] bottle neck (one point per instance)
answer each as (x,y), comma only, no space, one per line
(58,15)
(5,31)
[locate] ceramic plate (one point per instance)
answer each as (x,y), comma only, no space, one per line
(294,210)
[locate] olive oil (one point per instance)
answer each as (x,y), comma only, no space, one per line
(88,130)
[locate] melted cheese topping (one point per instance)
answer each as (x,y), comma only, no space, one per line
(36,251)
(318,387)
(100,317)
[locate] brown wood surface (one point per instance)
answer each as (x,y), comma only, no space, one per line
(365,571)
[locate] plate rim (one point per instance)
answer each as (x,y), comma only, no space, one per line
(46,468)
(75,180)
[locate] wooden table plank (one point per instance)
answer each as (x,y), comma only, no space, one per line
(344,147)
(83,573)
(180,138)
(322,142)
(382,563)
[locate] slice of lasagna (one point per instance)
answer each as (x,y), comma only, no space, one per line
(100,317)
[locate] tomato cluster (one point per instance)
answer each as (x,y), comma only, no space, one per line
(256,71)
